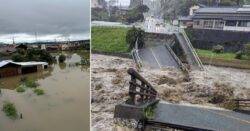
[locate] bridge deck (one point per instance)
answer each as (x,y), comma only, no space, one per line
(210,119)
(157,57)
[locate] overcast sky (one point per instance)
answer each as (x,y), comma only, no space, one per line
(46,17)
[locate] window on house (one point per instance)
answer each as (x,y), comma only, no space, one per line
(197,22)
(242,24)
(219,24)
(208,23)
(231,23)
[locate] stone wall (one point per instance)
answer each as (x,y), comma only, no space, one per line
(206,39)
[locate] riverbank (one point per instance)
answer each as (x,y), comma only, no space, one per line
(110,86)
(222,59)
(109,39)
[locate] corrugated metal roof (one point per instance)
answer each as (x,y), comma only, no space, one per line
(3,63)
(223,13)
(217,10)
(31,63)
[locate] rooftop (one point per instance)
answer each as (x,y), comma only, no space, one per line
(245,9)
(23,64)
(225,13)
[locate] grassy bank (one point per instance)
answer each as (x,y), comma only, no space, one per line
(222,59)
(109,39)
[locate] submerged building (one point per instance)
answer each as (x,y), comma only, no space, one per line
(220,18)
(10,68)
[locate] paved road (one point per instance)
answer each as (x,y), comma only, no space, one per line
(157,57)
(212,119)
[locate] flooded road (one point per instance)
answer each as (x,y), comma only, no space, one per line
(63,107)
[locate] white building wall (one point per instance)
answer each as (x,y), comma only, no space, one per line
(235,28)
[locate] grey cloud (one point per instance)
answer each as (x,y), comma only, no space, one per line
(44,16)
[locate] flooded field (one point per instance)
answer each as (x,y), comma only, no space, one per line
(63,107)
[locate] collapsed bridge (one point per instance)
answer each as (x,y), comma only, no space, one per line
(143,111)
(158,49)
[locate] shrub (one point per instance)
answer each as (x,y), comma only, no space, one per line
(62,58)
(218,49)
(39,91)
(84,61)
(135,35)
(31,83)
(238,55)
(247,49)
(33,55)
(20,89)
(18,58)
(10,110)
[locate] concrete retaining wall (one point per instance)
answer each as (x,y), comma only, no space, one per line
(206,39)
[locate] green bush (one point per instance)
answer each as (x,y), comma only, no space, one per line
(62,58)
(10,110)
(84,61)
(39,91)
(218,49)
(31,83)
(33,55)
(136,14)
(20,89)
(238,55)
(135,35)
(247,49)
(18,58)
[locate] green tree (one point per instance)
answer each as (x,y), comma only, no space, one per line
(18,58)
(135,35)
(62,58)
(136,14)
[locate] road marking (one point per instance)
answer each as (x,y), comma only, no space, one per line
(155,57)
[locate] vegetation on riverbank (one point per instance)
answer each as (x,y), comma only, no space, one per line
(223,59)
(32,55)
(38,91)
(10,110)
(109,39)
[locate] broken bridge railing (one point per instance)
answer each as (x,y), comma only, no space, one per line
(142,99)
(140,91)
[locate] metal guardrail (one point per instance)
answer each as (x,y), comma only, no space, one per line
(142,92)
(135,54)
(175,57)
(192,48)
(242,103)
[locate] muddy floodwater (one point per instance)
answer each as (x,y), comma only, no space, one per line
(63,107)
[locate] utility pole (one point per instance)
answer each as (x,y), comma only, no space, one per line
(36,36)
(13,40)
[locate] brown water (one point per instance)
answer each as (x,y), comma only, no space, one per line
(63,107)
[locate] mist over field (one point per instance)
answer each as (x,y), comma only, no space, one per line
(48,19)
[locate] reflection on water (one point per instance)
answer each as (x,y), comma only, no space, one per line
(65,105)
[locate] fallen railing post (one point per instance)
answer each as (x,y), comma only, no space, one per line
(142,95)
